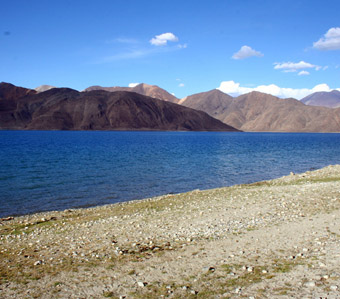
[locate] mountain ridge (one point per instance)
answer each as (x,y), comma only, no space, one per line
(254,112)
(153,91)
(68,109)
(260,112)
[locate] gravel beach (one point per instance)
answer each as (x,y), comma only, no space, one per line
(272,239)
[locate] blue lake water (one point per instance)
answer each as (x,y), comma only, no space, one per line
(56,170)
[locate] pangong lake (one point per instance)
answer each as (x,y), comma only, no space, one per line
(57,170)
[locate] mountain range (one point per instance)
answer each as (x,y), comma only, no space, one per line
(68,109)
(255,111)
(260,112)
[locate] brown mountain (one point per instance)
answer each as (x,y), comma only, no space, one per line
(326,99)
(67,109)
(257,111)
(214,102)
(11,92)
(148,90)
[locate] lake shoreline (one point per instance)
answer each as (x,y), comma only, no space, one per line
(46,171)
(272,238)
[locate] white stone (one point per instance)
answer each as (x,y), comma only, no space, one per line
(141,284)
(310,284)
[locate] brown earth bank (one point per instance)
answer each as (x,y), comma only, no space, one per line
(68,109)
(272,239)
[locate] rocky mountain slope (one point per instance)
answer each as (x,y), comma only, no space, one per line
(326,99)
(144,89)
(9,92)
(257,111)
(67,109)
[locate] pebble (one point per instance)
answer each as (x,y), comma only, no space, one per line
(333,287)
(37,263)
(208,269)
(141,284)
(310,284)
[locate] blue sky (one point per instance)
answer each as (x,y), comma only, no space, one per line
(283,47)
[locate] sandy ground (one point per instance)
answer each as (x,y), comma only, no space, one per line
(273,239)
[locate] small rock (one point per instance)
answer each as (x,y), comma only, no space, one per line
(141,284)
(237,290)
(250,269)
(333,288)
(37,263)
(209,269)
(310,284)
(6,219)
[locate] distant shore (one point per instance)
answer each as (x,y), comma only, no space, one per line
(269,239)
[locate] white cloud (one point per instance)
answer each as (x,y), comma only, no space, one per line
(182,46)
(246,52)
(295,66)
(133,54)
(181,85)
(303,73)
(234,89)
(330,40)
(325,67)
(133,84)
(162,39)
(123,40)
